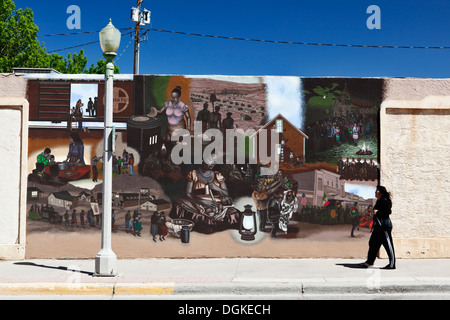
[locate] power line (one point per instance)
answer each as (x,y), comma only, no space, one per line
(298,43)
(118,57)
(77,46)
(249,40)
(76,33)
(84,44)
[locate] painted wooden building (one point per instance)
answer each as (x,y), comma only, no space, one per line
(63,199)
(291,140)
(155,205)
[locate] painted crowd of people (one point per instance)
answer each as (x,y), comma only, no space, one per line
(86,218)
(338,214)
(120,164)
(336,131)
(358,169)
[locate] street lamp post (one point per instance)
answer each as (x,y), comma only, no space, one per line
(105,261)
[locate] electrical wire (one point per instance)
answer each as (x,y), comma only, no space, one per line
(250,40)
(77,46)
(84,44)
(299,43)
(118,57)
(77,33)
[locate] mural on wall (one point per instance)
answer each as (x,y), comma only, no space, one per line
(255,157)
(342,123)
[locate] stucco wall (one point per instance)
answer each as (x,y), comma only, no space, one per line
(415,150)
(13,184)
(13,146)
(12,85)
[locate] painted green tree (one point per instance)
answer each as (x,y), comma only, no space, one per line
(320,101)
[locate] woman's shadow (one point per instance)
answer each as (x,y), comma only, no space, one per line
(52,267)
(352,265)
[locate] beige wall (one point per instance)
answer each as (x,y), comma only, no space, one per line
(12,85)
(13,184)
(14,147)
(415,164)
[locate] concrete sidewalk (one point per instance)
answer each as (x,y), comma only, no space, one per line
(227,278)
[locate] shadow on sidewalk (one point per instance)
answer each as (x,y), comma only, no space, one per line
(52,267)
(352,265)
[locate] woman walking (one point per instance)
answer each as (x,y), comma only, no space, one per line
(382,228)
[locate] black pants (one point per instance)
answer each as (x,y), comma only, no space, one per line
(381,237)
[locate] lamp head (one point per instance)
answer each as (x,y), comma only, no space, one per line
(110,39)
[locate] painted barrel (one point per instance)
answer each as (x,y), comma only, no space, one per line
(144,133)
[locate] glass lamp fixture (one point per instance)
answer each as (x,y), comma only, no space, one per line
(110,39)
(248,224)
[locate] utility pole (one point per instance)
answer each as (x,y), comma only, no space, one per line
(141,18)
(137,35)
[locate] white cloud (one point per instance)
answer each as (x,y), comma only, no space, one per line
(82,91)
(366,191)
(284,96)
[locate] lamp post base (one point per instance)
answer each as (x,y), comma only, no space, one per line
(105,264)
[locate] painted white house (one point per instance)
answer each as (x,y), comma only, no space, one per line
(62,199)
(155,205)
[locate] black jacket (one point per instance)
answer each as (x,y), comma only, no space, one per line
(381,219)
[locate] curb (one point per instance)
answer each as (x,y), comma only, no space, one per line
(261,289)
(86,289)
(371,289)
(144,289)
(240,288)
(56,289)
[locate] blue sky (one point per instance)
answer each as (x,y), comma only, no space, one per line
(407,23)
